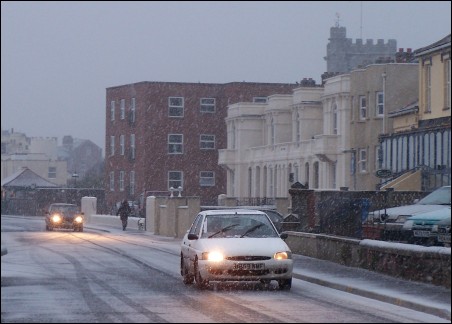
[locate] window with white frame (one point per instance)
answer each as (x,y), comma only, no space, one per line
(428,88)
(175,179)
(233,136)
(121,144)
(132,146)
(112,145)
(334,112)
(379,104)
(112,110)
(362,162)
(207,179)
(175,143)
(260,99)
(207,142)
(121,180)
(362,107)
(297,127)
(132,111)
(272,131)
(447,89)
(52,173)
(132,182)
(378,157)
(112,180)
(123,108)
(207,105)
(176,107)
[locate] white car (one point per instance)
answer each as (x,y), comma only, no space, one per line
(235,245)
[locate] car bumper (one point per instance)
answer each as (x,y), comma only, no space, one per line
(246,271)
(65,225)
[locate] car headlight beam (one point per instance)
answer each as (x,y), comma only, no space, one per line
(214,256)
(79,219)
(56,218)
(282,255)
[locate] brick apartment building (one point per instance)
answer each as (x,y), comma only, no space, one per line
(163,135)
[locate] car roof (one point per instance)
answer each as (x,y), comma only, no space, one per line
(236,211)
(62,204)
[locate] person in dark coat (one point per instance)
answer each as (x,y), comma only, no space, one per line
(124,211)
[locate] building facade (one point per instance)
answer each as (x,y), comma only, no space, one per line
(425,141)
(375,92)
(293,138)
(36,153)
(324,137)
(164,136)
(81,155)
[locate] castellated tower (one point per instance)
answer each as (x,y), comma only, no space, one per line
(343,55)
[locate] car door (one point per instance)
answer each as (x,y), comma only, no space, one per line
(188,250)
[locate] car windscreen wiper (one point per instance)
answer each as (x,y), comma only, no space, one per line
(227,228)
(255,227)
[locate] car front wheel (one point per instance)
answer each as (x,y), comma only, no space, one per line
(285,284)
(200,282)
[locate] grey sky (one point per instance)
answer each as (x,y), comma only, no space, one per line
(57,58)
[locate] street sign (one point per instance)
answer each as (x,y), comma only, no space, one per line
(383,173)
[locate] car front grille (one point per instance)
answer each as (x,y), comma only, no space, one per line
(243,273)
(248,258)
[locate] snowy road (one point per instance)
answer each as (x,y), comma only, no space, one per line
(96,276)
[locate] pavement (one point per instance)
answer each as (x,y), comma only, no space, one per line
(423,297)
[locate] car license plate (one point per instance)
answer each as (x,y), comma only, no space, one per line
(422,233)
(249,266)
(444,238)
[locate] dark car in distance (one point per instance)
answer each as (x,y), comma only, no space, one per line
(66,216)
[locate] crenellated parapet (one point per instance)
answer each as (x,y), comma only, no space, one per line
(344,54)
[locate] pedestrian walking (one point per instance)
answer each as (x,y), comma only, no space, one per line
(124,211)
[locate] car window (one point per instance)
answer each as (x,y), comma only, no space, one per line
(440,196)
(231,225)
(274,216)
(195,228)
(64,209)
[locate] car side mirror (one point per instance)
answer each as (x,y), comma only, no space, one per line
(192,236)
(415,201)
(284,236)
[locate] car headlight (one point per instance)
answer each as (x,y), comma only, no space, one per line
(401,218)
(214,256)
(408,225)
(79,219)
(56,218)
(283,255)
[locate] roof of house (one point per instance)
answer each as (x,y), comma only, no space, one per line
(432,47)
(25,178)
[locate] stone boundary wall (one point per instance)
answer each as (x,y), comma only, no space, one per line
(406,261)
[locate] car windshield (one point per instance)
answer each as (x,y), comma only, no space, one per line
(237,226)
(440,196)
(64,209)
